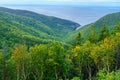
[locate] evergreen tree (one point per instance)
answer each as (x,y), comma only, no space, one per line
(104,32)
(78,39)
(93,36)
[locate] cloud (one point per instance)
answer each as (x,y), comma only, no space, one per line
(53,1)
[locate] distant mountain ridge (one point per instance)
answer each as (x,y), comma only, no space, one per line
(43,18)
(108,20)
(16,25)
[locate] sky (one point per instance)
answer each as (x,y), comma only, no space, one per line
(55,1)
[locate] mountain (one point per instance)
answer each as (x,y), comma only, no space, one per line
(18,25)
(109,21)
(31,27)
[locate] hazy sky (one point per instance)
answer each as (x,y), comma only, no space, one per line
(52,1)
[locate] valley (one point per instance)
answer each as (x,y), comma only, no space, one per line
(34,46)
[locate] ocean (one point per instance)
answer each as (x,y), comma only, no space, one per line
(81,14)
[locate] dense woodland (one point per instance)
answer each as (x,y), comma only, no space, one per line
(32,27)
(95,57)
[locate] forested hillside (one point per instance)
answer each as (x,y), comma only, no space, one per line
(32,47)
(109,21)
(17,25)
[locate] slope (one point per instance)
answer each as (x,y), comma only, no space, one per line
(109,21)
(59,26)
(17,25)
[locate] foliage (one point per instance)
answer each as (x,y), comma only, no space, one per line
(109,20)
(102,75)
(32,50)
(76,78)
(18,25)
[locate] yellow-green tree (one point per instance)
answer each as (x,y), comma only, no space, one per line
(104,54)
(78,59)
(21,59)
(82,59)
(108,51)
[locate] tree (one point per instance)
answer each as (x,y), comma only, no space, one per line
(82,60)
(102,75)
(78,60)
(87,47)
(103,55)
(117,27)
(108,47)
(78,39)
(93,38)
(1,65)
(10,69)
(67,65)
(38,55)
(56,59)
(21,59)
(96,55)
(116,38)
(4,52)
(103,33)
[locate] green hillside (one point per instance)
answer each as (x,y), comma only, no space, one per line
(17,25)
(56,24)
(108,21)
(33,47)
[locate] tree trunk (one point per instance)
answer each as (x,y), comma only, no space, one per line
(41,75)
(18,75)
(90,77)
(108,68)
(23,72)
(89,71)
(56,75)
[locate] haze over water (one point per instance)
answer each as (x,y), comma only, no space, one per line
(80,14)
